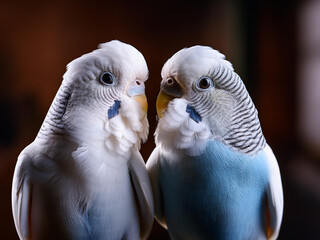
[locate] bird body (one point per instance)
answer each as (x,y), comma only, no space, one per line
(67,199)
(213,175)
(83,176)
(218,193)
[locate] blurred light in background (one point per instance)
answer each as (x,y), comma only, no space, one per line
(309,75)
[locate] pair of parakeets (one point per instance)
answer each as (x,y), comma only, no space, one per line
(211,176)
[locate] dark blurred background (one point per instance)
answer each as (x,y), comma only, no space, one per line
(273,45)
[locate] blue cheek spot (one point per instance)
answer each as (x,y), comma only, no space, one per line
(114,109)
(193,114)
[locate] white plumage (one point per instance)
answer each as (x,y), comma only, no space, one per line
(83,176)
(178,132)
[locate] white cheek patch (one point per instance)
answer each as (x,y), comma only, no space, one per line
(125,130)
(177,131)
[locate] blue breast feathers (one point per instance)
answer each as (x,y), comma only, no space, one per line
(217,195)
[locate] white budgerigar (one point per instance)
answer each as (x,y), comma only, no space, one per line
(212,172)
(83,176)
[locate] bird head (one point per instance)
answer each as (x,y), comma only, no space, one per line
(198,83)
(102,97)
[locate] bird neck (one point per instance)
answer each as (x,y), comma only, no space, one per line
(245,133)
(53,124)
(237,125)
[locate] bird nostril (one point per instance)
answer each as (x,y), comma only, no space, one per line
(138,83)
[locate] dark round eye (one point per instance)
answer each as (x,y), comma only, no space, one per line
(170,81)
(204,83)
(107,78)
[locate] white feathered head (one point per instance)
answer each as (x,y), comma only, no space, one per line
(102,98)
(203,99)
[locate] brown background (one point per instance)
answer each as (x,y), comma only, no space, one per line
(260,38)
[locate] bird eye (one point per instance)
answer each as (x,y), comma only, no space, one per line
(204,83)
(107,78)
(170,81)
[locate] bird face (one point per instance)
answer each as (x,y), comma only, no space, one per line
(101,79)
(107,93)
(191,75)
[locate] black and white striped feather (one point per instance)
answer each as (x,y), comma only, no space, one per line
(227,107)
(244,132)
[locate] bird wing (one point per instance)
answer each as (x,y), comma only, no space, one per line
(274,196)
(21,200)
(153,166)
(143,191)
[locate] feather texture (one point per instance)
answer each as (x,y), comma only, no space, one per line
(80,178)
(227,107)
(213,175)
(176,131)
(217,195)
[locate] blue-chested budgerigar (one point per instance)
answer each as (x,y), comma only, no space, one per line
(213,174)
(83,176)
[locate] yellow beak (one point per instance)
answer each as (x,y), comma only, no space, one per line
(163,100)
(142,100)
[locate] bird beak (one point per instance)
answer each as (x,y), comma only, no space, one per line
(170,89)
(142,100)
(163,100)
